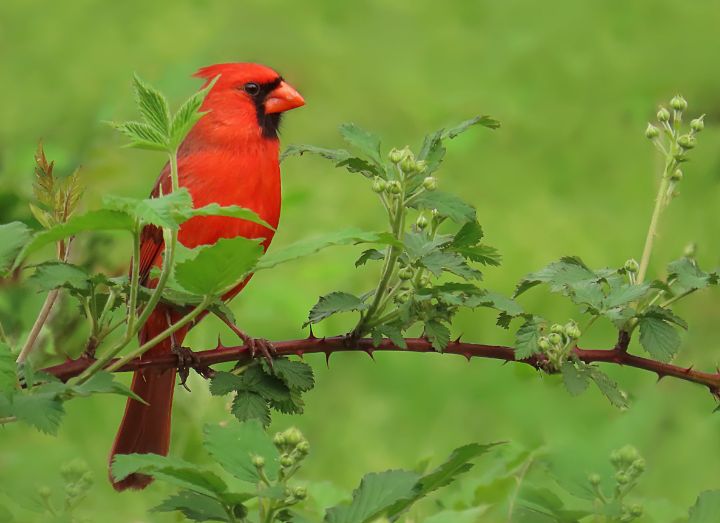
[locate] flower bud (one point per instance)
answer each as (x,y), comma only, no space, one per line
(687,141)
(555,338)
(543,343)
(652,132)
(678,103)
(421,165)
(663,115)
(639,465)
(676,175)
(430,183)
(378,185)
(425,281)
(258,461)
(293,436)
(408,164)
(396,155)
(303,447)
(697,125)
(402,297)
(279,439)
(44,492)
(594,479)
(421,222)
(622,478)
(628,454)
(572,331)
(286,460)
(636,510)
(405,273)
(557,328)
(632,266)
(690,250)
(394,187)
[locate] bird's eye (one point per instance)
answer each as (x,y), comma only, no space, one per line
(251,88)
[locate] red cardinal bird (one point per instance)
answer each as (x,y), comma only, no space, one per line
(230,157)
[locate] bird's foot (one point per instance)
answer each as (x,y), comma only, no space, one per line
(256,345)
(187,360)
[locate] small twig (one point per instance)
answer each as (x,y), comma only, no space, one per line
(38,325)
(617,356)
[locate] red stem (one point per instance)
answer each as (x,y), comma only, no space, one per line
(617,355)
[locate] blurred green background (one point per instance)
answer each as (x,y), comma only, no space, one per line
(570,172)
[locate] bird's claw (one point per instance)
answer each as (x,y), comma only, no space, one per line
(262,346)
(187,360)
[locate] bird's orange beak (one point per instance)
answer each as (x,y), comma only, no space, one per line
(283,98)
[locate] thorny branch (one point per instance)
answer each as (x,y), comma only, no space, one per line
(618,355)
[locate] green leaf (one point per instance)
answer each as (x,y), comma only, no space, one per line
(446,204)
(484,120)
(364,141)
(55,275)
(172,470)
(164,211)
(608,387)
(334,303)
(688,276)
(311,246)
(235,445)
(481,254)
(104,382)
(188,115)
(469,235)
(437,333)
(13,236)
(576,379)
(625,294)
(358,165)
(666,315)
(336,155)
(295,374)
(217,267)
(250,405)
(377,492)
(101,220)
(706,508)
(498,302)
(231,211)
(526,338)
(194,506)
(659,338)
(437,262)
(142,136)
(153,106)
(42,411)
(8,375)
(457,463)
(224,383)
(392,332)
(570,270)
(369,254)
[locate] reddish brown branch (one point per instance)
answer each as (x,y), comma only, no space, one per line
(617,355)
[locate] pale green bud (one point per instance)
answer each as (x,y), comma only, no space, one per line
(652,132)
(676,175)
(698,124)
(557,328)
(394,187)
(555,338)
(678,103)
(687,141)
(632,265)
(421,222)
(378,185)
(396,155)
(594,479)
(430,183)
(663,115)
(258,461)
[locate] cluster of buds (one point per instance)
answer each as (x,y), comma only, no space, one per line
(629,466)
(78,481)
(677,143)
(380,186)
(556,345)
(405,159)
(293,447)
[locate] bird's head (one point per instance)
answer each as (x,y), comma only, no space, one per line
(247,99)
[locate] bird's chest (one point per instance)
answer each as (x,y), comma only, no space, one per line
(253,183)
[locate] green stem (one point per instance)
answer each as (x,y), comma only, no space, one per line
(134,285)
(676,298)
(397,228)
(172,329)
(660,201)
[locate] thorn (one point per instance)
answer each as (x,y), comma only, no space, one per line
(457,340)
(311,336)
(322,340)
(299,354)
(219,344)
(660,376)
(370,352)
(328,353)
(689,369)
(467,355)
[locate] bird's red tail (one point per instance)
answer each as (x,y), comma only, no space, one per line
(145,429)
